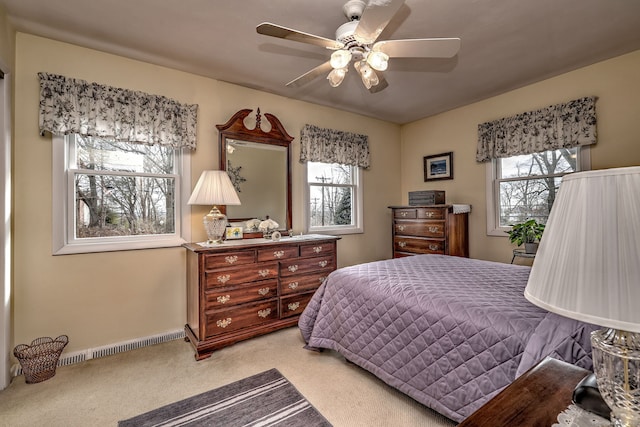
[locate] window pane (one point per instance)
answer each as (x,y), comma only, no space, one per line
(528,198)
(330,205)
(327,173)
(545,163)
(108,205)
(102,154)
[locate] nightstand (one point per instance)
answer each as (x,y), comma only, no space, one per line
(520,253)
(534,399)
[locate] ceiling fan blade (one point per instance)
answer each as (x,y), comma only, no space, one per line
(274,30)
(310,75)
(419,48)
(382,84)
(375,18)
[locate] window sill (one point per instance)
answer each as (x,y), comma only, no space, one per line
(82,248)
(335,231)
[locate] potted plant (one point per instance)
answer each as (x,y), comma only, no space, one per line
(529,233)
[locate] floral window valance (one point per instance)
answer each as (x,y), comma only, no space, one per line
(334,146)
(70,106)
(557,126)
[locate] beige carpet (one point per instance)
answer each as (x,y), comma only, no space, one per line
(102,391)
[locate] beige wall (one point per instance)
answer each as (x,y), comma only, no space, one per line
(7,40)
(102,298)
(616,84)
(98,299)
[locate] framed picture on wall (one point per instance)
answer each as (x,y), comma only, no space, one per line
(439,166)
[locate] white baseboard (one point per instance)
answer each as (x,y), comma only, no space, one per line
(108,350)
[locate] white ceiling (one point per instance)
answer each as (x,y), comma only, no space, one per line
(506,44)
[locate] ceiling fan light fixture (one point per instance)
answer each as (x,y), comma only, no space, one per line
(378,60)
(336,76)
(357,42)
(340,58)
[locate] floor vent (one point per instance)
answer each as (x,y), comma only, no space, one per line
(108,350)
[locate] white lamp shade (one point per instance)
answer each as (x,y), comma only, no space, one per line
(340,58)
(336,76)
(214,188)
(378,60)
(588,264)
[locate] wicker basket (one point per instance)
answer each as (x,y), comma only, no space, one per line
(39,360)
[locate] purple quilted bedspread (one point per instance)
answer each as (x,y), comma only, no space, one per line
(450,332)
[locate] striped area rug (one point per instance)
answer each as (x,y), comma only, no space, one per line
(265,399)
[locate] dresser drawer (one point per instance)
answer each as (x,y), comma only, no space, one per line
(430,213)
(244,274)
(297,284)
(294,305)
(420,246)
(225,320)
(307,265)
(224,297)
(409,213)
(278,252)
(316,249)
(228,259)
(420,228)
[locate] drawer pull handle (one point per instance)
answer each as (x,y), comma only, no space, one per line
(322,279)
(317,249)
(278,254)
(292,268)
(263,273)
(263,291)
(224,278)
(402,244)
(404,214)
(434,229)
(323,263)
(400,227)
(430,214)
(264,313)
(293,285)
(434,247)
(293,306)
(231,259)
(222,299)
(223,323)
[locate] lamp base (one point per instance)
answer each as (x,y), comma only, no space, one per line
(616,363)
(215,223)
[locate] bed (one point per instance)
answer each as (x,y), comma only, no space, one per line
(450,332)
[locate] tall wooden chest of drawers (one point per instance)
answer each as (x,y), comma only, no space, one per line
(433,229)
(244,288)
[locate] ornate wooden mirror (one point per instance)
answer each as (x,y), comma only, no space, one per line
(258,163)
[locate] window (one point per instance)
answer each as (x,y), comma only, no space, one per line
(525,186)
(112,195)
(334,198)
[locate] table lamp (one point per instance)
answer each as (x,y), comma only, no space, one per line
(588,268)
(214,188)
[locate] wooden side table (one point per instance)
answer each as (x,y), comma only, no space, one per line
(534,399)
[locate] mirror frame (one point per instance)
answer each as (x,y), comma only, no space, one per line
(235,128)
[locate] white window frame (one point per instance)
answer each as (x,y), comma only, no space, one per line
(356,207)
(493,191)
(63,190)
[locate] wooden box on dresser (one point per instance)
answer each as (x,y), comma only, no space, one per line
(433,229)
(244,288)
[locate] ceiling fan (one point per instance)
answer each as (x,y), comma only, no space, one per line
(356,41)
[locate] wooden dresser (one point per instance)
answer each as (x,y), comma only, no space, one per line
(244,288)
(433,229)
